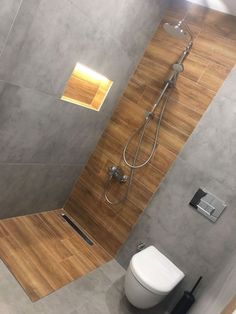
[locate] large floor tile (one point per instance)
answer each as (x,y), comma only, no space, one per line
(212,147)
(45,44)
(26,189)
(93,293)
(9,9)
(228,88)
(127,11)
(36,128)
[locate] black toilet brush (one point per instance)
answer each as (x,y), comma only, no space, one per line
(186,301)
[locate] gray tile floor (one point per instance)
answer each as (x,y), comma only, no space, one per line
(100,292)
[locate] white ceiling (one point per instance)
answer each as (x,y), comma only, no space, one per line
(227,6)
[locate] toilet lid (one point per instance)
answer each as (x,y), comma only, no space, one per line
(155,271)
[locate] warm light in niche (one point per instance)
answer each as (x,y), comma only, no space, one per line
(86,88)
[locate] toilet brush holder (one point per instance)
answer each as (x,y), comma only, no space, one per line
(186,301)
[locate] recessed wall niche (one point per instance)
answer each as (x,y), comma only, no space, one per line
(86,88)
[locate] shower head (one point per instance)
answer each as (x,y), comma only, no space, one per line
(179,30)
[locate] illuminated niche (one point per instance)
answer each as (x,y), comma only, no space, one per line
(86,88)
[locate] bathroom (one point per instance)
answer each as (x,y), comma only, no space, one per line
(115,116)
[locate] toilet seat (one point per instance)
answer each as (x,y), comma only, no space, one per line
(154,271)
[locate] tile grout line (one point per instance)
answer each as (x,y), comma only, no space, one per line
(11,27)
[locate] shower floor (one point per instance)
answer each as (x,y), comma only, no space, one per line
(45,253)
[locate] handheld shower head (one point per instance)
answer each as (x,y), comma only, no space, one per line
(178,67)
(179,30)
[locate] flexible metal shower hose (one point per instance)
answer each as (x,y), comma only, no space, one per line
(133,166)
(166,92)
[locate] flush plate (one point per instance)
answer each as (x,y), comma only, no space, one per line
(208,204)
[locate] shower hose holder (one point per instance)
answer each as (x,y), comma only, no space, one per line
(117,173)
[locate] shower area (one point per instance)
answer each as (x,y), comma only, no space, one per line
(83,178)
(146,132)
(138,150)
(179,30)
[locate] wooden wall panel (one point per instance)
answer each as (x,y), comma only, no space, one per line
(212,57)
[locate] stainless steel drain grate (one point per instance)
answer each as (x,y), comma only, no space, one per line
(77,229)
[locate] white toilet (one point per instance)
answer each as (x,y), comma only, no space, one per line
(150,277)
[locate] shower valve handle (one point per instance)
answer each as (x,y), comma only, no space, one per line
(117,173)
(149,115)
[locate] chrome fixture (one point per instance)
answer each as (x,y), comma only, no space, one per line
(179,31)
(77,228)
(140,246)
(208,204)
(117,173)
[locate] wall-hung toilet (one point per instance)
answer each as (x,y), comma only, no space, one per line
(150,277)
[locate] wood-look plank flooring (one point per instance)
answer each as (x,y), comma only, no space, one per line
(44,252)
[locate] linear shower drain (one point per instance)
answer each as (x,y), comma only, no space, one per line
(77,229)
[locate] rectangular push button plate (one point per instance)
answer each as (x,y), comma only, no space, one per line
(208,204)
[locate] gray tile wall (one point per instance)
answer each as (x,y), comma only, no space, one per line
(45,142)
(196,245)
